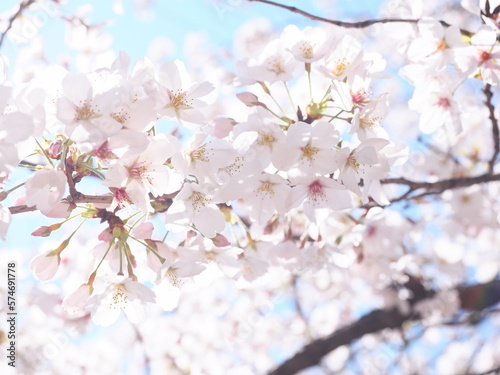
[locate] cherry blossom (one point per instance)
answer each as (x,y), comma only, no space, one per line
(128,296)
(291,182)
(315,193)
(180,98)
(81,112)
(308,148)
(45,266)
(274,64)
(203,158)
(306,45)
(435,45)
(171,279)
(194,204)
(481,57)
(146,173)
(76,301)
(45,188)
(343,59)
(364,162)
(15,127)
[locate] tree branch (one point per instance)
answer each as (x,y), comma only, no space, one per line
(311,354)
(350,25)
(494,127)
(472,298)
(24,4)
(493,371)
(438,186)
(96,199)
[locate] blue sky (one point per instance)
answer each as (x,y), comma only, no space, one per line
(176,18)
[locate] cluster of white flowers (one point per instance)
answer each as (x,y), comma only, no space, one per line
(280,180)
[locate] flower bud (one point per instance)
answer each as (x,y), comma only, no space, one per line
(249,99)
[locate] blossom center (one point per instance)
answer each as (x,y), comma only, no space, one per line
(199,200)
(353,163)
(199,154)
(275,64)
(306,49)
(485,56)
(309,152)
(137,171)
(121,196)
(173,278)
(179,100)
(236,166)
(103,152)
(441,45)
(265,190)
(265,139)
(120,116)
(360,97)
(340,66)
(443,103)
(316,191)
(85,111)
(369,122)
(119,299)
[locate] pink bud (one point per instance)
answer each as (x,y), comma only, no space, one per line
(105,235)
(55,148)
(42,231)
(45,231)
(249,99)
(220,241)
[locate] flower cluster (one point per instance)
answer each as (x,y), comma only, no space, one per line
(276,186)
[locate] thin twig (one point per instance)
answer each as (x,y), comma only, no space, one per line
(299,308)
(22,6)
(350,25)
(440,186)
(147,360)
(431,188)
(493,371)
(96,199)
(494,127)
(438,151)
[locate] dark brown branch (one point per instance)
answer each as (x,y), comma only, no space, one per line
(350,25)
(494,127)
(493,371)
(438,151)
(439,186)
(312,353)
(472,298)
(22,6)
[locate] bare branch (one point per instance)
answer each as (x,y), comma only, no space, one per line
(493,371)
(350,25)
(494,127)
(439,186)
(24,4)
(311,354)
(96,199)
(472,298)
